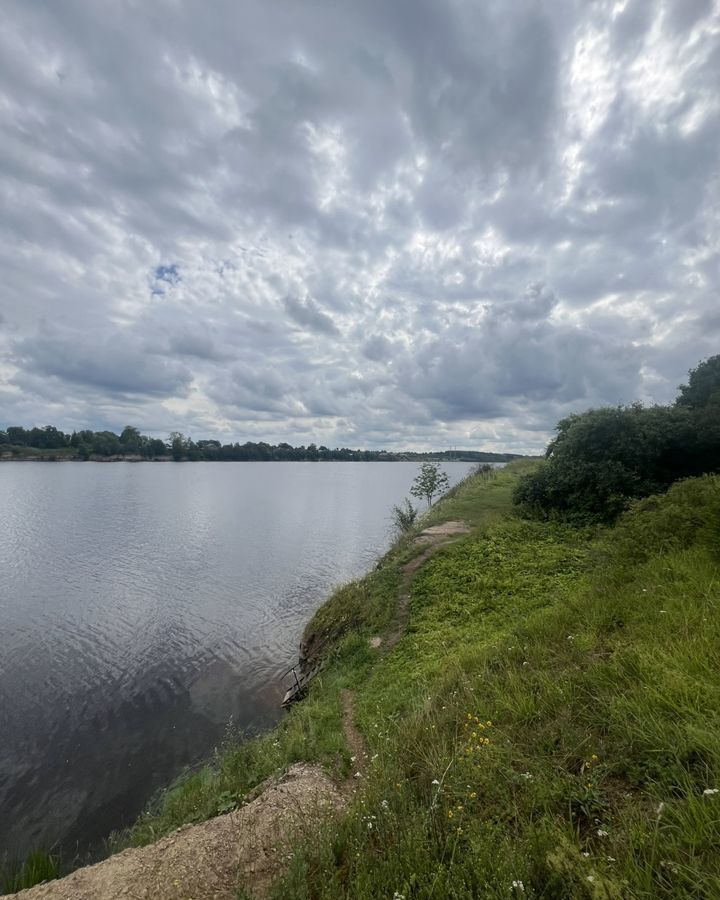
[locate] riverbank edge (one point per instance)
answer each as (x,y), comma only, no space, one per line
(621,615)
(502,458)
(323,631)
(347,629)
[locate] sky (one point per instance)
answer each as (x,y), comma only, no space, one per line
(403,224)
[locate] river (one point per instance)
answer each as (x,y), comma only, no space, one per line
(148,609)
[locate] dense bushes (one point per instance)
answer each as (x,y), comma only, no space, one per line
(603,458)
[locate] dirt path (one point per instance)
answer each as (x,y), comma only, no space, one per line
(355,740)
(208,861)
(435,537)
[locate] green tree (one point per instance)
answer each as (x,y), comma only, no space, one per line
(703,387)
(431,480)
(131,440)
(178,445)
(601,459)
(156,447)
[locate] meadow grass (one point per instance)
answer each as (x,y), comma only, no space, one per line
(548,726)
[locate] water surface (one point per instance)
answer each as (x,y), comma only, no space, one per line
(143,607)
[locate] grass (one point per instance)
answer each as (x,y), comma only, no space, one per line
(548,726)
(38,866)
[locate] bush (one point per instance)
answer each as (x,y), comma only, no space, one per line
(404,516)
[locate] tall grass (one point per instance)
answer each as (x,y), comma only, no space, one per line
(37,867)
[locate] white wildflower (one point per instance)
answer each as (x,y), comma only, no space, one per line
(590,877)
(610,858)
(435,781)
(526,775)
(357,775)
(710,792)
(585,854)
(602,833)
(384,804)
(518,886)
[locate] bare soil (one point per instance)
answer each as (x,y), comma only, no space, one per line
(353,737)
(248,847)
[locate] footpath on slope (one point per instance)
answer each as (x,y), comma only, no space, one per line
(248,847)
(434,538)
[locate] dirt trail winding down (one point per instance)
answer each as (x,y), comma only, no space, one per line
(435,537)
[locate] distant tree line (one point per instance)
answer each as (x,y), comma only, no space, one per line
(601,459)
(49,442)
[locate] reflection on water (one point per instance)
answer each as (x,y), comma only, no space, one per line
(143,607)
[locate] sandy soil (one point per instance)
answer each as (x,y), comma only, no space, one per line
(248,846)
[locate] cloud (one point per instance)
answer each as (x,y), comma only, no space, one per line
(378,224)
(308,314)
(113,365)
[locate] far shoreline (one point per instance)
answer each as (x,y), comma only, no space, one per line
(488,458)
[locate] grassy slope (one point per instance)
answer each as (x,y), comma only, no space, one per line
(562,688)
(550,719)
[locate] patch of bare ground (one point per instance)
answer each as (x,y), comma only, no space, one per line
(354,738)
(247,847)
(439,532)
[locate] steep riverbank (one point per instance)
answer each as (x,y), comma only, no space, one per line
(541,720)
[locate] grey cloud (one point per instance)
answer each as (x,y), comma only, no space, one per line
(377,348)
(309,315)
(471,238)
(116,364)
(199,345)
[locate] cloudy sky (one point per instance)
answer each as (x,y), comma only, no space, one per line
(398,224)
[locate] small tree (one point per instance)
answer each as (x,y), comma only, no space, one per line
(429,482)
(404,515)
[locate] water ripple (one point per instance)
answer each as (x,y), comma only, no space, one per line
(143,607)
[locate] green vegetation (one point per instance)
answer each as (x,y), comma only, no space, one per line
(581,648)
(404,515)
(39,866)
(548,725)
(603,458)
(50,443)
(429,482)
